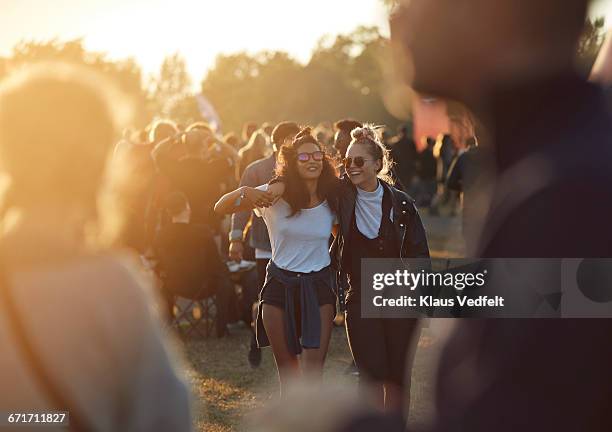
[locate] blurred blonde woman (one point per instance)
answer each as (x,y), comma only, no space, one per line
(257,148)
(76,324)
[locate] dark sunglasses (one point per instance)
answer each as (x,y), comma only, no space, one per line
(316,156)
(358,161)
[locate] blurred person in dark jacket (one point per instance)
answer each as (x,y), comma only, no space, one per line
(404,154)
(544,192)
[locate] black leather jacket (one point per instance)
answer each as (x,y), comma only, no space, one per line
(409,233)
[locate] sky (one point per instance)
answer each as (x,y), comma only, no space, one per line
(148,30)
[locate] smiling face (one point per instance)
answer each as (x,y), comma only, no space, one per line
(366,174)
(311,169)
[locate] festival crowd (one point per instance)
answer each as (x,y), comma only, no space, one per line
(271,226)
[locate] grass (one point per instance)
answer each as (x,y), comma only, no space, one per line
(226,389)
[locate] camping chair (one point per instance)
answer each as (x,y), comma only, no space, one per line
(197,305)
(194,315)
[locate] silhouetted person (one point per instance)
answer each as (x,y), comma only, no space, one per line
(248,129)
(548,143)
(447,154)
(427,168)
(342,138)
(404,154)
(462,176)
(196,174)
(257,148)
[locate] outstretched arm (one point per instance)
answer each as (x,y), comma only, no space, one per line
(243,198)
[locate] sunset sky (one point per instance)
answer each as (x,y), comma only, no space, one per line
(150,29)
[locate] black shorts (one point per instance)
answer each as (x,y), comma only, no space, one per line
(273,292)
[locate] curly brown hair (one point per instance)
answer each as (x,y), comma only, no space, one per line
(296,193)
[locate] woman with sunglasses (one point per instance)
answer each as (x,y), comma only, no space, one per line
(297,300)
(376,221)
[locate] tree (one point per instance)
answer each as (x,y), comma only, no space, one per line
(342,79)
(172,85)
(126,74)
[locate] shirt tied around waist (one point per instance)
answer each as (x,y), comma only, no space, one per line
(302,285)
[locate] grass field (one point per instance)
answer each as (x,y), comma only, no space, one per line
(226,388)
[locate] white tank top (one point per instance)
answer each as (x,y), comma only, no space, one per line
(299,243)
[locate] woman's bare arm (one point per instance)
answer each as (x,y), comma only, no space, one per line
(251,198)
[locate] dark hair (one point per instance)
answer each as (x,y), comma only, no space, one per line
(368,136)
(203,126)
(267,128)
(194,140)
(296,194)
(284,130)
(447,138)
(248,129)
(231,139)
(176,203)
(347,125)
(161,130)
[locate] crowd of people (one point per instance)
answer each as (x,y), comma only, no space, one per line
(193,166)
(307,204)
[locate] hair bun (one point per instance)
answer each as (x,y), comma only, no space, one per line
(365,132)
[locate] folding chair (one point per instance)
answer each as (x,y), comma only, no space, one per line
(194,316)
(198,309)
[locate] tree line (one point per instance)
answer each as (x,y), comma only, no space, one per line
(346,76)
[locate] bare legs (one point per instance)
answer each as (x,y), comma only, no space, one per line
(287,363)
(313,359)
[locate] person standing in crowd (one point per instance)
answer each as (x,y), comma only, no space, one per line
(160,131)
(248,129)
(297,301)
(257,148)
(267,128)
(544,192)
(136,157)
(447,152)
(223,158)
(258,173)
(377,221)
(195,174)
(231,139)
(77,327)
(404,155)
(427,169)
(342,139)
(462,175)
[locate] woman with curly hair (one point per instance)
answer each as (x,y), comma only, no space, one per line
(297,300)
(376,220)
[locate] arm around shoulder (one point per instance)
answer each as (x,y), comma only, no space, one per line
(242,199)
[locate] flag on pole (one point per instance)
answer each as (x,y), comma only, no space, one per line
(207,111)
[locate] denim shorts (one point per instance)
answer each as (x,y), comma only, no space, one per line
(273,292)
